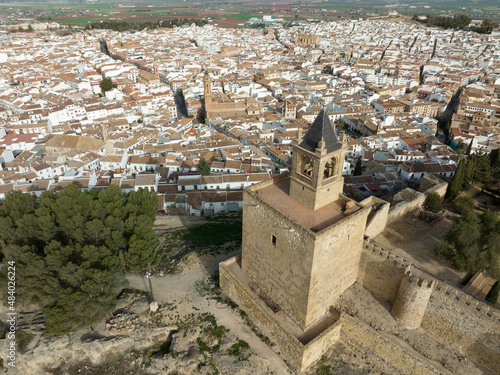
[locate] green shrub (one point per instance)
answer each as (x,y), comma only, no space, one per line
(23,340)
(202,345)
(323,368)
(434,202)
(492,296)
(235,348)
(463,204)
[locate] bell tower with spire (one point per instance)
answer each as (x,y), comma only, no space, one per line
(156,71)
(318,160)
(207,87)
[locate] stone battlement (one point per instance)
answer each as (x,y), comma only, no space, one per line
(379,251)
(442,290)
(474,305)
(417,281)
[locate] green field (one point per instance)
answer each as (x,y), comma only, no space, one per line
(244,16)
(63,11)
(75,21)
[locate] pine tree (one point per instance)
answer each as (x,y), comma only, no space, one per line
(71,247)
(483,171)
(456,184)
(358,170)
(473,243)
(203,167)
(107,85)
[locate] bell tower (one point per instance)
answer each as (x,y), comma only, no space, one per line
(290,110)
(156,71)
(318,160)
(104,132)
(207,87)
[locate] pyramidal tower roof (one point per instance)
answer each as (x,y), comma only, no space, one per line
(321,128)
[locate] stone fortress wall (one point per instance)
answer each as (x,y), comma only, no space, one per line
(404,202)
(381,350)
(300,349)
(419,301)
(468,325)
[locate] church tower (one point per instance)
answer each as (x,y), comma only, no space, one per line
(156,71)
(290,110)
(318,160)
(207,87)
(301,248)
(104,132)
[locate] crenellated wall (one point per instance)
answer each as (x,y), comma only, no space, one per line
(405,202)
(468,325)
(381,271)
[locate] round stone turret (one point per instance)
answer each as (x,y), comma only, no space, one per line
(411,300)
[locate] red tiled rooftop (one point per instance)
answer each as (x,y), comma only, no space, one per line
(277,195)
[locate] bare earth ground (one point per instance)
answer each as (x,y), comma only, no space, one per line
(181,290)
(173,222)
(414,239)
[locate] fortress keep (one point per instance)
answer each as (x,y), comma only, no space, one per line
(305,244)
(301,248)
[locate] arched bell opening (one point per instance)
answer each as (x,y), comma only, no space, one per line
(329,172)
(307,166)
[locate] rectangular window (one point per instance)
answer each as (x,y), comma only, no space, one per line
(274,240)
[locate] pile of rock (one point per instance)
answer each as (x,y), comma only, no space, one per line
(123,323)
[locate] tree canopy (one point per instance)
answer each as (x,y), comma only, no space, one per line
(107,85)
(455,186)
(358,169)
(478,168)
(461,22)
(118,25)
(203,167)
(434,202)
(473,243)
(70,249)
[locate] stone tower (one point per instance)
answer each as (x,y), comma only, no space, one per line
(207,87)
(104,132)
(411,300)
(301,248)
(317,164)
(156,71)
(290,110)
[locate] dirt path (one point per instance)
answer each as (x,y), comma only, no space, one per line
(170,222)
(181,288)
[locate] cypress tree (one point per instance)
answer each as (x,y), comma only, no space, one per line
(358,171)
(456,184)
(492,295)
(495,157)
(470,168)
(469,148)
